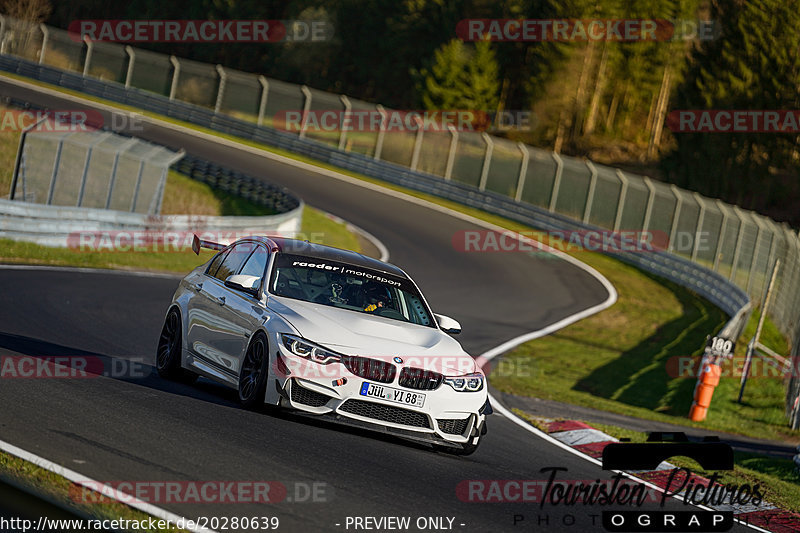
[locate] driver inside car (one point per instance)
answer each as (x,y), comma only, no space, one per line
(377,297)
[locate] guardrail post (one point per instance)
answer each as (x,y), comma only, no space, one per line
(699,227)
(756,246)
(54,174)
(556,181)
(45,39)
(523,170)
(651,198)
(590,194)
(86,162)
(144,158)
(676,216)
(306,109)
(738,248)
(773,248)
(451,152)
(723,228)
(131,60)
(176,72)
(113,178)
(346,117)
(159,198)
(381,132)
(262,104)
(88,60)
(18,159)
(487,160)
(417,143)
(623,192)
(221,89)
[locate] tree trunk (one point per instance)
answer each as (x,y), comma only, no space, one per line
(598,92)
(661,111)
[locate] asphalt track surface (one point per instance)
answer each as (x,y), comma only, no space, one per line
(148,429)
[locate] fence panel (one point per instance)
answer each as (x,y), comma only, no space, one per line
(606,198)
(67,186)
(633,212)
(709,234)
(504,168)
(727,250)
(282,97)
(198,83)
(539,178)
(470,154)
(152,72)
(363,139)
(109,61)
(686,229)
(433,152)
(64,50)
(241,97)
(746,250)
(574,188)
(326,117)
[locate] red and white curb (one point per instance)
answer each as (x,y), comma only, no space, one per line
(590,441)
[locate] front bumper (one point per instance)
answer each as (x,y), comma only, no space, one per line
(446,416)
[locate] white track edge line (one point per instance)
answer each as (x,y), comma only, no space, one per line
(106,490)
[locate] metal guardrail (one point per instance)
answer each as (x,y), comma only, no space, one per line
(274,197)
(62,226)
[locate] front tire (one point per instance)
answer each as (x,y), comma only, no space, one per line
(168,353)
(254,372)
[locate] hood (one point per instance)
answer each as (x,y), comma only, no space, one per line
(354,333)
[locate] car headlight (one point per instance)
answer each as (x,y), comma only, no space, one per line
(308,350)
(468,383)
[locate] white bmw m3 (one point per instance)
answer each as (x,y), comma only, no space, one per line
(326,332)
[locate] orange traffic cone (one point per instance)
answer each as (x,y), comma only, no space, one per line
(704,390)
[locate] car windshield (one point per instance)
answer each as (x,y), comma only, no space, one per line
(350,287)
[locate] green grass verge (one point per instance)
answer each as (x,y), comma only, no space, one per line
(653,321)
(625,359)
(186,196)
(58,489)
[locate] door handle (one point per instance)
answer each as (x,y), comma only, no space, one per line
(219,299)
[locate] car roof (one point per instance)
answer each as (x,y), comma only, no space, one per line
(320,251)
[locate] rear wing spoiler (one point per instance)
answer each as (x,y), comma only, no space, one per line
(198,243)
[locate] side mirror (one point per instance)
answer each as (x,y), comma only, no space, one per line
(240,282)
(448,325)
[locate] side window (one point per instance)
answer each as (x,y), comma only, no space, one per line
(230,265)
(216,262)
(256,263)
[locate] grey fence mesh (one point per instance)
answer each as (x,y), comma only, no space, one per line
(92,169)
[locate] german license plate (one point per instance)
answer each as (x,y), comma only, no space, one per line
(376,390)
